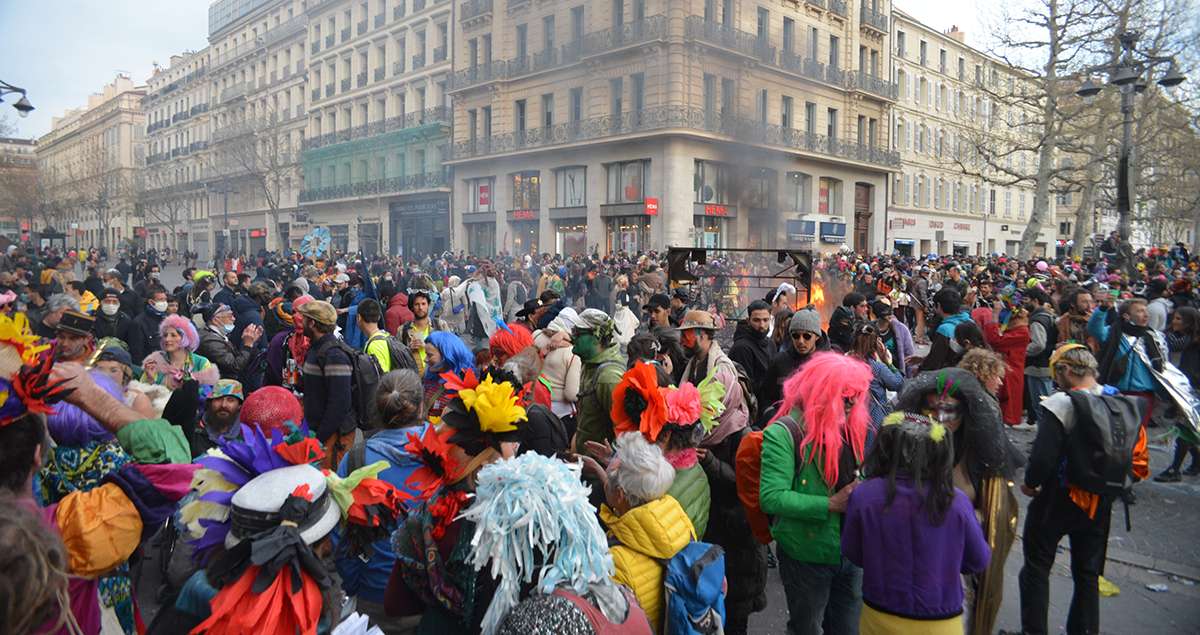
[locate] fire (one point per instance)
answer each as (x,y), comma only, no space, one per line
(816,296)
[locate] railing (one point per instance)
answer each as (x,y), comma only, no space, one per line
(379,74)
(866,82)
(816,3)
(198,146)
(869,17)
(474,9)
(728,37)
(360,80)
(641,31)
(235,91)
(439,54)
(286,30)
(678,117)
(199,108)
(345,84)
(361,27)
(435,115)
(418,61)
(838,7)
(430,180)
(181,116)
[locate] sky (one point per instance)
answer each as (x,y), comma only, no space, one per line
(61,51)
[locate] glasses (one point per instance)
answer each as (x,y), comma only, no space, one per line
(805,335)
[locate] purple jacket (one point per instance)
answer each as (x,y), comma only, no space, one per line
(904,345)
(911,567)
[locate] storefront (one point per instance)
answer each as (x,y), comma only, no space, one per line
(524,226)
(339,238)
(481,234)
(627,226)
(420,227)
(713,225)
(959,249)
(570,230)
(904,247)
(368,237)
(257,241)
(759,198)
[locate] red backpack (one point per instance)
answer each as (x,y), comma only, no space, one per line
(748,467)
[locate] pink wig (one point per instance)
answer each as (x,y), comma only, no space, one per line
(185,328)
(819,391)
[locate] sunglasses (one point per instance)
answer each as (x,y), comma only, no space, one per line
(805,335)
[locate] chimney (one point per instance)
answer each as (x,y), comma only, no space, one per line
(957,35)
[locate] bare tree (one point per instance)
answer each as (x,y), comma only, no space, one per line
(164,199)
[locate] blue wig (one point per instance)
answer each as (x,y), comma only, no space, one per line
(456,357)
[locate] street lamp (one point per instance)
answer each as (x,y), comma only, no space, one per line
(1128,75)
(23,106)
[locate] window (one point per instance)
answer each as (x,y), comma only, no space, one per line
(785,112)
(727,94)
(577,24)
(618,12)
(548,33)
(487,122)
(992,205)
(789,35)
(637,90)
(527,187)
(861,130)
(831,121)
(924,52)
(834,56)
(799,192)
(813,35)
(616,90)
(712,183)
(570,185)
(900,44)
(942,61)
(576,113)
(962,69)
(762,105)
(519,115)
(627,182)
(472,124)
(810,117)
(710,93)
(522,41)
(764,23)
(1007,203)
(481,195)
(829,196)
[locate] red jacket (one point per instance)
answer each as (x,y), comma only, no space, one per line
(1011,345)
(397,313)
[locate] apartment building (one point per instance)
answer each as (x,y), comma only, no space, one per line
(630,125)
(256,75)
(89,162)
(946,101)
(18,188)
(173,184)
(379,124)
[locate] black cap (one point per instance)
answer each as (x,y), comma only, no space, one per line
(115,354)
(110,292)
(76,322)
(657,301)
(682,294)
(529,308)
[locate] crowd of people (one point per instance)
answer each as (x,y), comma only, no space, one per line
(548,444)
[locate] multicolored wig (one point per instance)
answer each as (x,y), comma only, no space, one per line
(185,328)
(820,392)
(456,357)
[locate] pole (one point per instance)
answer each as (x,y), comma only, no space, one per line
(225,234)
(1124,193)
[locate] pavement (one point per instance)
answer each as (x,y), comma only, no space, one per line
(1162,549)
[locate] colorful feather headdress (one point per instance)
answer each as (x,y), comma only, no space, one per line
(482,413)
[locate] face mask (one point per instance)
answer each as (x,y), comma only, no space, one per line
(228,328)
(110,309)
(154,274)
(585,346)
(161,307)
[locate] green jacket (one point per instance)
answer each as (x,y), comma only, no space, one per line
(798,500)
(599,379)
(690,488)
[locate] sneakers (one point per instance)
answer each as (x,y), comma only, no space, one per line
(1193,469)
(1169,475)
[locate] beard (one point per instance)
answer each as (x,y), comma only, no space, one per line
(220,421)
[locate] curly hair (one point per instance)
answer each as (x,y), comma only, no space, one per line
(33,590)
(983,364)
(187,331)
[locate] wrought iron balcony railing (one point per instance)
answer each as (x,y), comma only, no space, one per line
(436,115)
(394,185)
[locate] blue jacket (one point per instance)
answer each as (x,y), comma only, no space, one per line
(950,322)
(1137,377)
(369,579)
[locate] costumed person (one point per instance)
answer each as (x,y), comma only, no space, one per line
(119,498)
(536,531)
(432,577)
(985,463)
(561,367)
(603,365)
(259,520)
(287,350)
(805,338)
(809,463)
(445,353)
(908,518)
(177,362)
(1184,342)
(866,346)
(34,589)
(947,304)
(1074,478)
(1011,340)
(508,340)
(113,360)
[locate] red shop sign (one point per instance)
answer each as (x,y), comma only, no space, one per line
(258,233)
(524,214)
(716,210)
(651,207)
(485,195)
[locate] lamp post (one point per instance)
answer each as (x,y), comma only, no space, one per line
(1128,75)
(224,189)
(23,106)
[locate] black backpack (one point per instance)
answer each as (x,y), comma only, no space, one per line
(364,381)
(1100,446)
(399,353)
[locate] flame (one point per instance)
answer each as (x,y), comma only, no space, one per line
(816,296)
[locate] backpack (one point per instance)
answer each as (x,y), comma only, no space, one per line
(364,380)
(399,353)
(1100,445)
(694,591)
(748,470)
(747,391)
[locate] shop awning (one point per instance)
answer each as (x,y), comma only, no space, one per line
(904,241)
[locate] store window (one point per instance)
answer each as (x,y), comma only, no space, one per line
(628,181)
(570,237)
(570,187)
(482,191)
(629,234)
(525,237)
(829,200)
(758,189)
(481,239)
(712,232)
(712,182)
(527,189)
(799,192)
(339,237)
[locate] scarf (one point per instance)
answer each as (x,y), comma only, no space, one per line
(298,344)
(1113,364)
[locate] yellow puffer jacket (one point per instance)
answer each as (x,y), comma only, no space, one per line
(655,531)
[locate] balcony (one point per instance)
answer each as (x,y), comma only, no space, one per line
(439,54)
(345,84)
(315,47)
(730,38)
(398,68)
(181,116)
(418,62)
(361,27)
(674,117)
(329,89)
(820,4)
(475,13)
(284,31)
(440,115)
(197,146)
(199,108)
(379,20)
(872,19)
(848,80)
(398,11)
(345,34)
(360,80)
(867,83)
(235,91)
(838,7)
(394,185)
(379,74)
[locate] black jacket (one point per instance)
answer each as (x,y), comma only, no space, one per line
(231,359)
(116,326)
(841,328)
(131,302)
(752,350)
(143,334)
(544,433)
(745,559)
(783,364)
